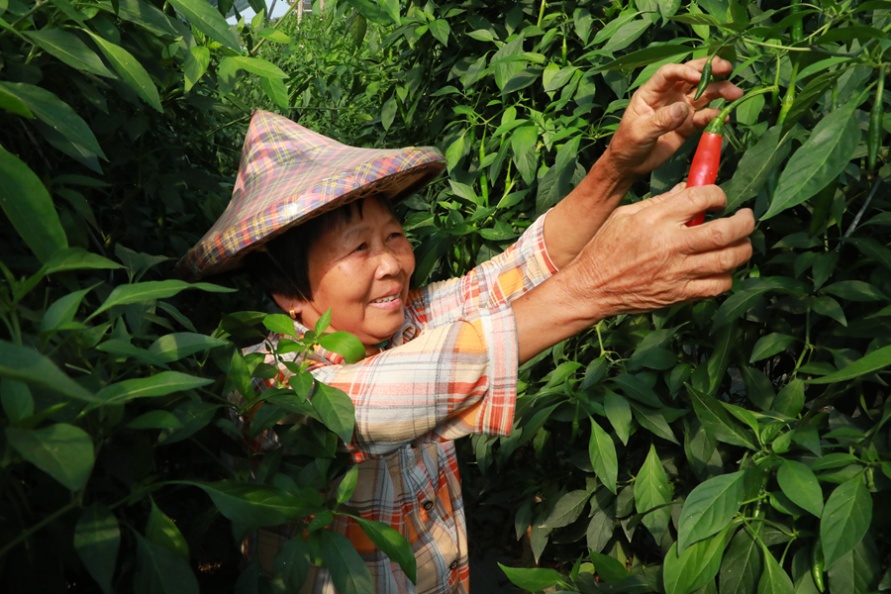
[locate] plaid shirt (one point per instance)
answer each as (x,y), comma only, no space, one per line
(451,371)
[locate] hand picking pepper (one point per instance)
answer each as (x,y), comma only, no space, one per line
(707,158)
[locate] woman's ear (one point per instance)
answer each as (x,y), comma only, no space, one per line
(293,306)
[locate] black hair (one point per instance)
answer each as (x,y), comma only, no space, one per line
(282,265)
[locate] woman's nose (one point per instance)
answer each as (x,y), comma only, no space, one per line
(388,263)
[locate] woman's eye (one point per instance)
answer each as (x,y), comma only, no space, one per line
(361,247)
(395,235)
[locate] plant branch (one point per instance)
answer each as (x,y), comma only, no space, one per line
(38,526)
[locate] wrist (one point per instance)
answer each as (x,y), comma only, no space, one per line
(613,179)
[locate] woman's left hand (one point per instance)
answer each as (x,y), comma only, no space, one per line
(662,114)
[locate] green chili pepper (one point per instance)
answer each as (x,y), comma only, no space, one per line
(706,78)
(789,97)
(874,137)
(817,565)
(798,25)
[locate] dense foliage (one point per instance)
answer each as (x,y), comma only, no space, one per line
(734,445)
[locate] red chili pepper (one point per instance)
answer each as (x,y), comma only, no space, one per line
(704,168)
(707,158)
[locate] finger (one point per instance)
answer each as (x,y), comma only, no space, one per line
(653,201)
(721,261)
(718,234)
(683,205)
(705,288)
(647,130)
(722,89)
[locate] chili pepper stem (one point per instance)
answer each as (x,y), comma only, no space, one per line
(716,126)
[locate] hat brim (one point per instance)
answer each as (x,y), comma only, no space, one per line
(236,234)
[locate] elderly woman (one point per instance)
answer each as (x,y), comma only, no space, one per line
(315,219)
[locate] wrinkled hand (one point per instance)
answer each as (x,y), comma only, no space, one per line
(645,257)
(662,114)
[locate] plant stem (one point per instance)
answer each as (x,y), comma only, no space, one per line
(541,12)
(38,526)
(853,226)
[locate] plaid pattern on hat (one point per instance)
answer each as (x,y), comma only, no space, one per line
(289,174)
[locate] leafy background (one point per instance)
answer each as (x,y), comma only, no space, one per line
(734,445)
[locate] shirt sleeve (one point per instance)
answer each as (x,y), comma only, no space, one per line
(450,381)
(524,265)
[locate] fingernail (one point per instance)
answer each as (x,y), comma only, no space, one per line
(679,110)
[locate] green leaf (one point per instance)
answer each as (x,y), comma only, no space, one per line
(646,56)
(97,538)
(799,483)
(207,19)
(790,400)
(195,65)
(602,452)
(13,104)
(652,495)
(859,570)
(532,579)
(618,411)
(344,344)
(371,11)
(870,363)
(161,571)
(755,167)
(131,71)
(63,451)
(255,505)
(150,18)
(523,141)
(440,29)
(818,161)
(774,580)
(173,347)
(16,399)
(60,117)
(567,509)
(335,409)
(151,291)
(741,566)
(28,366)
(76,258)
(29,208)
(162,531)
(348,571)
(70,49)
(695,567)
(856,290)
(275,89)
(156,419)
(291,566)
(609,569)
(391,542)
(347,485)
(256,66)
(159,384)
(626,35)
(770,345)
(717,421)
(846,519)
(709,508)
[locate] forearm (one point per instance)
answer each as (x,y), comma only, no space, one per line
(574,220)
(550,313)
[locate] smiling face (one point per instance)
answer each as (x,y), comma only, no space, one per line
(358,266)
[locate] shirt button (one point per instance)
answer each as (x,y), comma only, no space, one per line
(428,505)
(453,565)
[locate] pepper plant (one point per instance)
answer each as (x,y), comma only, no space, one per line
(734,445)
(120,128)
